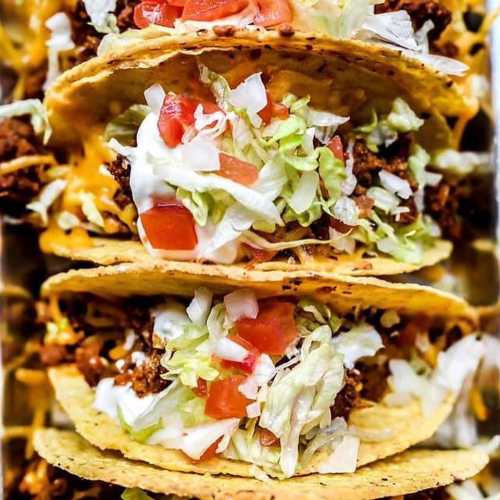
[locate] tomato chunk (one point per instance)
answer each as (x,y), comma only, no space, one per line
(273,12)
(237,170)
(169,226)
(211,451)
(267,438)
(212,10)
(177,3)
(273,330)
(248,364)
(337,148)
(155,12)
(225,400)
(177,114)
(273,109)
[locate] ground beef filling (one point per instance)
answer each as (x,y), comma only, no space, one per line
(85,36)
(420,11)
(349,397)
(18,139)
(120,170)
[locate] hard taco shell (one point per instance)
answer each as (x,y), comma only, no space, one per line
(344,76)
(407,473)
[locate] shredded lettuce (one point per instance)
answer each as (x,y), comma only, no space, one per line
(401,119)
(301,400)
(35,110)
(124,127)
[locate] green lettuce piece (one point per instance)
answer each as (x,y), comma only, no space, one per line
(36,111)
(332,172)
(402,118)
(417,162)
(135,494)
(197,203)
(142,435)
(124,127)
(301,400)
(191,364)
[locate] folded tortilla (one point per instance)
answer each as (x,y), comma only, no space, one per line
(384,428)
(343,77)
(407,473)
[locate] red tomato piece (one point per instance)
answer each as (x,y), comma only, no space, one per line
(155,12)
(225,400)
(248,364)
(273,109)
(273,12)
(201,389)
(237,170)
(267,438)
(210,452)
(169,226)
(177,3)
(212,10)
(177,114)
(337,147)
(273,330)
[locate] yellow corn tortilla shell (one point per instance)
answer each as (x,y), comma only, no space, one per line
(108,251)
(325,68)
(342,293)
(404,474)
(401,427)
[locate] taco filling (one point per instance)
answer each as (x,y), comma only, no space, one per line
(272,382)
(414,26)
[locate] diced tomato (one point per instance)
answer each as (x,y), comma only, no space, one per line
(273,330)
(210,452)
(248,364)
(212,10)
(155,12)
(273,12)
(169,226)
(225,400)
(337,148)
(273,109)
(237,170)
(177,114)
(267,438)
(201,389)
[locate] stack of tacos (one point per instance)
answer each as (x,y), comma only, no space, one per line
(234,177)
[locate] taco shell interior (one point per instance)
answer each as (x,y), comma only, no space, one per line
(400,427)
(407,473)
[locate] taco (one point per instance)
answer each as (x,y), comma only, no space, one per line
(252,381)
(321,160)
(398,477)
(419,29)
